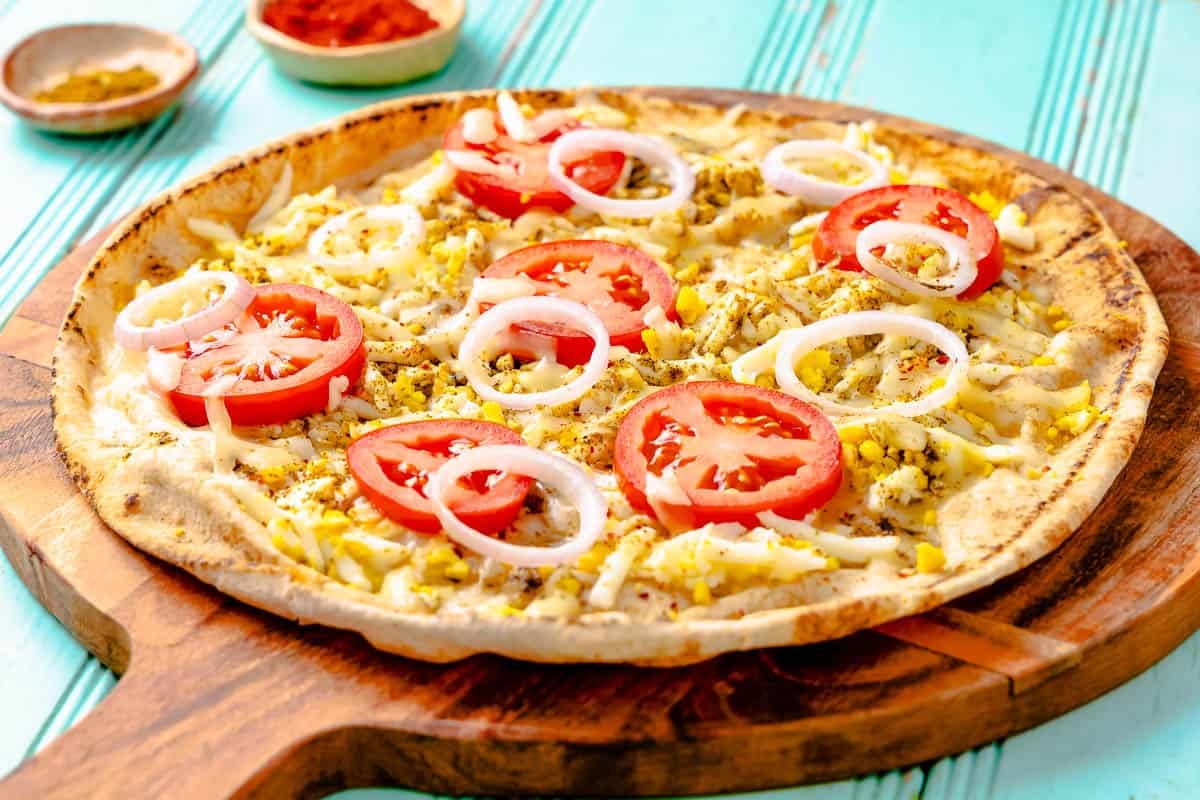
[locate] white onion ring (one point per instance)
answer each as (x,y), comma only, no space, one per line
(863,323)
(410,238)
(518,459)
(132,334)
(577,143)
(963,269)
(479,126)
(516,125)
(502,316)
(810,188)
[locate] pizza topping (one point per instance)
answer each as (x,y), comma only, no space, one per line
(478,163)
(276,200)
(338,245)
(733,451)
(482,338)
(151,319)
(942,264)
(851,549)
(394,466)
(683,297)
(797,343)
(1012,227)
(163,369)
(617,282)
(728,553)
(276,360)
(551,470)
(576,144)
(509,177)
(479,126)
(514,120)
(843,171)
(836,241)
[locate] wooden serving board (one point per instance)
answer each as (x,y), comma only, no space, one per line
(218,699)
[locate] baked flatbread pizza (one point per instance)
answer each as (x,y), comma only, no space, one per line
(600,377)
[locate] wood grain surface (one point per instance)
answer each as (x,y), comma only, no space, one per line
(219,700)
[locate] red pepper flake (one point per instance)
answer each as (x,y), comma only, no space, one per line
(942,359)
(347,23)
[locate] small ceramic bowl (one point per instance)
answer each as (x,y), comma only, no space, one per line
(368,64)
(49,56)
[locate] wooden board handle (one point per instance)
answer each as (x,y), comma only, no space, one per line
(168,730)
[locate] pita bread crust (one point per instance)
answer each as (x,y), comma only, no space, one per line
(147,501)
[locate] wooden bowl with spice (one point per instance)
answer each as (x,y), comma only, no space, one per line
(357,42)
(95,78)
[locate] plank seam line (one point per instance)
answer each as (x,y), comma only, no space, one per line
(1138,82)
(44,728)
(993,776)
(95,686)
(853,50)
(88,689)
(1068,69)
(544,19)
(797,39)
(514,40)
(775,37)
(829,13)
(563,30)
(1087,100)
(1046,93)
(1117,72)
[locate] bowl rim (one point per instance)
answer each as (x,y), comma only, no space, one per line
(57,112)
(277,38)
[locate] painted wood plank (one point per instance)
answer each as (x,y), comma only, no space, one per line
(1138,741)
(1114,94)
(692,42)
(1058,120)
(978,70)
(1162,167)
(71,178)
(38,661)
(838,46)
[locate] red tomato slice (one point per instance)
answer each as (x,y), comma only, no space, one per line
(286,348)
(618,282)
(392,466)
(597,173)
(736,450)
(833,244)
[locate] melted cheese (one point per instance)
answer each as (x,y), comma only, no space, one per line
(743,253)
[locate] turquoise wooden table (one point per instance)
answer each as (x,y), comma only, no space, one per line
(1105,88)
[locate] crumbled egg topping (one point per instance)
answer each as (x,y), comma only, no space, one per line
(740,255)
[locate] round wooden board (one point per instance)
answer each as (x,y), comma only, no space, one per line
(220,700)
